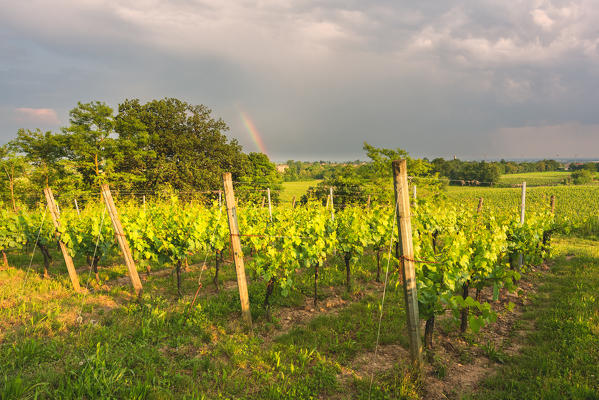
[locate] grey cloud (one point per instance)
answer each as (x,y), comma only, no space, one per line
(319,78)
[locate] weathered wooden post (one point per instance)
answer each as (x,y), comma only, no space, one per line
(415,192)
(332,204)
(522,214)
(553,204)
(269,204)
(293,202)
(77,207)
(121,239)
(479,209)
(404,226)
(368,202)
(63,248)
(236,248)
(220,199)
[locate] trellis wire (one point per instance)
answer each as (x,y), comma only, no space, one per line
(378,333)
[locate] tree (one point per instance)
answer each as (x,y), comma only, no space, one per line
(261,173)
(89,140)
(43,150)
(183,146)
(11,166)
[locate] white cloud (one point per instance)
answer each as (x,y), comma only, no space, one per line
(541,18)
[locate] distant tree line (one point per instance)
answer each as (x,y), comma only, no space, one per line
(162,145)
(457,171)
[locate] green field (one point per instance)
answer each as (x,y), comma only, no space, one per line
(576,206)
(297,189)
(534,178)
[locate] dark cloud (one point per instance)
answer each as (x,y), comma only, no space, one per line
(319,78)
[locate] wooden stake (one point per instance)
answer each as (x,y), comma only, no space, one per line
(236,248)
(404,226)
(263,200)
(77,207)
(332,204)
(65,253)
(415,195)
(269,204)
(293,202)
(220,198)
(144,200)
(552,204)
(479,209)
(121,239)
(522,214)
(368,202)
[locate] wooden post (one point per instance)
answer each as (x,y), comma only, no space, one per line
(121,239)
(263,199)
(293,202)
(65,253)
(332,204)
(220,199)
(368,202)
(479,209)
(415,196)
(404,226)
(77,207)
(328,201)
(269,204)
(236,248)
(552,204)
(522,214)
(144,199)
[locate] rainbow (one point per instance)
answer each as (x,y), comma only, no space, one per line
(251,128)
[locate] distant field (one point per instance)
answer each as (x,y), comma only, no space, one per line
(577,205)
(297,189)
(534,178)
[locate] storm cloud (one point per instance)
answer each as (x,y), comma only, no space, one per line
(476,79)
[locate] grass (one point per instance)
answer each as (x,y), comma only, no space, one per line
(561,359)
(105,344)
(297,189)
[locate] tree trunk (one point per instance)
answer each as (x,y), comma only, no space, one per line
(269,288)
(315,282)
(547,243)
(95,262)
(12,195)
(465,310)
(347,259)
(5,259)
(428,332)
(178,268)
(217,259)
(378,265)
(47,259)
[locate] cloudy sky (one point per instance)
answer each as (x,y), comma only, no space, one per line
(476,79)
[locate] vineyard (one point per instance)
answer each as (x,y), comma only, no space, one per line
(183,336)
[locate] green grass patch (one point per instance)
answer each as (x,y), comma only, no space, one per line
(297,189)
(534,178)
(561,359)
